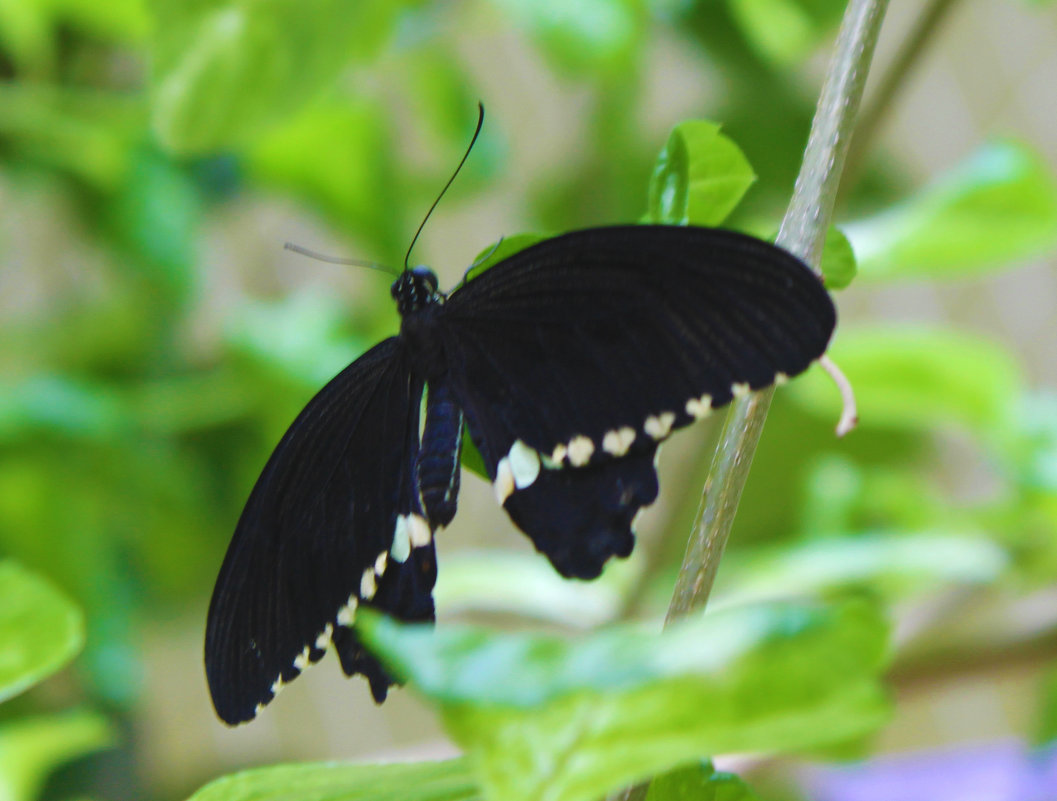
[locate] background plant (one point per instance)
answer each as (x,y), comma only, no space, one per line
(156,340)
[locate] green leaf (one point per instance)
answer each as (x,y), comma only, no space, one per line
(895,560)
(337,155)
(86,134)
(1046,714)
(585,36)
(303,336)
(699,782)
(838,260)
(32,749)
(779,30)
(997,207)
(224,70)
(471,457)
(1033,446)
(525,584)
(200,400)
(60,404)
(450,780)
(121,20)
(504,248)
(842,496)
(156,214)
(544,717)
(32,32)
(27,38)
(40,629)
(441,94)
(699,177)
(918,379)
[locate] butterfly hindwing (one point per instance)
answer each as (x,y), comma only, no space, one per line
(585,351)
(333,521)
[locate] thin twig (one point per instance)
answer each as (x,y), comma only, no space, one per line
(802,233)
(719,502)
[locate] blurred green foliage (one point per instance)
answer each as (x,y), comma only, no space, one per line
(999,206)
(40,631)
(699,783)
(32,748)
(149,363)
(450,780)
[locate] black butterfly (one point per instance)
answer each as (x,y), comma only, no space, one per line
(569,362)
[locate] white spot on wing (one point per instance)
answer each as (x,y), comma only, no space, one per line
(580,450)
(368,586)
(504,481)
(418,530)
(323,640)
(277,686)
(524,464)
(301,660)
(401,547)
(699,407)
(558,455)
(618,441)
(739,390)
(659,426)
(347,613)
(780,378)
(380,563)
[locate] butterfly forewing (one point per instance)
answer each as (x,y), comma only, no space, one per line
(600,329)
(590,348)
(315,537)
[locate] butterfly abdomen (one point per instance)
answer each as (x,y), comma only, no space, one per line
(439,454)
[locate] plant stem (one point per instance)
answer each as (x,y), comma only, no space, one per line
(719,502)
(802,232)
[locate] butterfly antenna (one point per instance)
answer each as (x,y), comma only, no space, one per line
(339,259)
(466,155)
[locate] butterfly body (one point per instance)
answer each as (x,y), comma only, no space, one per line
(568,362)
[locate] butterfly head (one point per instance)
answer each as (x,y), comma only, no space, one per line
(415,289)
